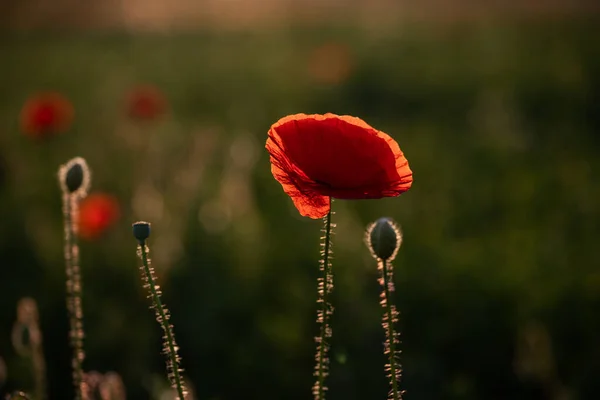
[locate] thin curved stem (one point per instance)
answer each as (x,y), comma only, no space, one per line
(162,316)
(325,287)
(390,317)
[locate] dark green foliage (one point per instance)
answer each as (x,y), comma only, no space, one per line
(499,124)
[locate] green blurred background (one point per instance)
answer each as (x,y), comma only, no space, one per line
(498,282)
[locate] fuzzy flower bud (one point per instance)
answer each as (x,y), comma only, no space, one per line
(384,238)
(74,177)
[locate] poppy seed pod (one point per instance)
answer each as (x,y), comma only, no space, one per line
(384,239)
(141,231)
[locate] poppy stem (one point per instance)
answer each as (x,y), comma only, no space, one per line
(71,250)
(325,287)
(27,341)
(390,317)
(162,317)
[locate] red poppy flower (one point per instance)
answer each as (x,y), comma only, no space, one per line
(316,157)
(97,213)
(146,103)
(330,63)
(46,113)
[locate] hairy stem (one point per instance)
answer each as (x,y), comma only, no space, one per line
(325,287)
(74,308)
(162,316)
(389,318)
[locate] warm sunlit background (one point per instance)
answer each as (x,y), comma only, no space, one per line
(495,104)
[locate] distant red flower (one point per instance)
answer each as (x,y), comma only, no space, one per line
(97,213)
(46,114)
(330,63)
(146,103)
(316,157)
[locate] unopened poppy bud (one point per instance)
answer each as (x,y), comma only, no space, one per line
(27,311)
(74,176)
(383,239)
(26,337)
(141,231)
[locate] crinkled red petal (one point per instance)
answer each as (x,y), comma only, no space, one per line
(317,156)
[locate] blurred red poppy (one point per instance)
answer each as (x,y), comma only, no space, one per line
(97,213)
(146,103)
(316,157)
(46,114)
(330,63)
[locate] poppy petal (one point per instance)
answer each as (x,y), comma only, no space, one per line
(97,213)
(46,113)
(309,204)
(321,156)
(146,103)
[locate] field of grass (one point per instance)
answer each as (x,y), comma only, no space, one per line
(498,279)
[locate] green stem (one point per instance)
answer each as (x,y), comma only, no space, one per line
(388,324)
(73,292)
(325,288)
(162,317)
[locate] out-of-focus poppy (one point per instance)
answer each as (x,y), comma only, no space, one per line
(330,63)
(97,213)
(146,103)
(46,114)
(316,157)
